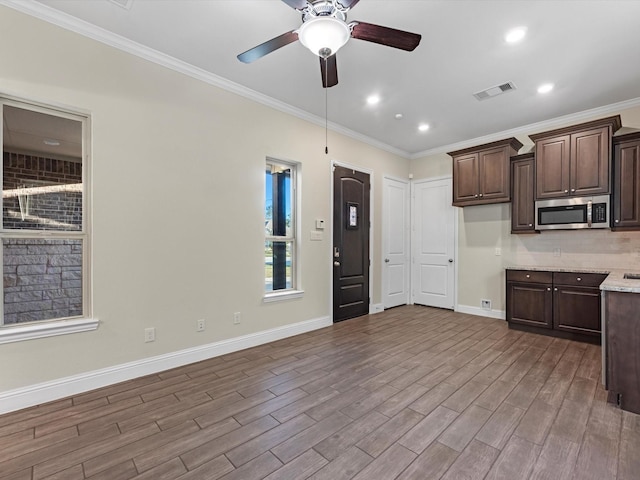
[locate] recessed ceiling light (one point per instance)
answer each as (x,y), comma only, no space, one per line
(545,88)
(423,127)
(373,99)
(515,35)
(398,116)
(51,143)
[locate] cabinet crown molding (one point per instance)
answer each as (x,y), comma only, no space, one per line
(614,122)
(627,137)
(512,142)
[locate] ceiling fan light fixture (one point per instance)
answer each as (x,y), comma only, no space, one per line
(324,36)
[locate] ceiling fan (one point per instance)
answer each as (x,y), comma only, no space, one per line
(325,29)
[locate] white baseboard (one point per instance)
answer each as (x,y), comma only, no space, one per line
(24,397)
(499,314)
(376,308)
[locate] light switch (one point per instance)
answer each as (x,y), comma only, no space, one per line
(319,224)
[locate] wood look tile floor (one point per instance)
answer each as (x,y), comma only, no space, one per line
(411,393)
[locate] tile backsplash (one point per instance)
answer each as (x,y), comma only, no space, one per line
(580,249)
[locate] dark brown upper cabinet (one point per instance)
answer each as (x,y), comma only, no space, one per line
(482,174)
(522,193)
(575,160)
(626,181)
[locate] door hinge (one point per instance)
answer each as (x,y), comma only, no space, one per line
(619,399)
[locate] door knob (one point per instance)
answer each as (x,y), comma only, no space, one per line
(386,260)
(451,260)
(336,264)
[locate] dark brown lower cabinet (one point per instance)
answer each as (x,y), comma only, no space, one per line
(576,302)
(563,304)
(622,337)
(529,298)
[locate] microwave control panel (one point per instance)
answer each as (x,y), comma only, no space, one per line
(599,213)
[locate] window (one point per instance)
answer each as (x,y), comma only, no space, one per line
(44,233)
(280,249)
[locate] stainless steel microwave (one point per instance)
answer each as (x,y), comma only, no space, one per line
(572,213)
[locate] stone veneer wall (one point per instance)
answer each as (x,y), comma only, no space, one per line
(42,277)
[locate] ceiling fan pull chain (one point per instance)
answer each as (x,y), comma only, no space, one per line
(326,108)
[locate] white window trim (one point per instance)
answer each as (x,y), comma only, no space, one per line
(30,331)
(297,291)
(60,326)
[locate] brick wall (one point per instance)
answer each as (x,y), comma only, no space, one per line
(42,277)
(50,211)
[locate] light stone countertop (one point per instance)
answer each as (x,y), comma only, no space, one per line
(615,281)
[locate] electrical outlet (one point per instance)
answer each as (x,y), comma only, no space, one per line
(149,335)
(486,304)
(236,318)
(200,325)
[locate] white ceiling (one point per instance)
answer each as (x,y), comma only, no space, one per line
(590,50)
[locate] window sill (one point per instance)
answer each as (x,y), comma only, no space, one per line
(19,333)
(280,296)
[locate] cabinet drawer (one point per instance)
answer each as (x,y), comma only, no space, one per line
(529,276)
(578,279)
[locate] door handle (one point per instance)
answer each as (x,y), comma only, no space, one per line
(386,260)
(451,260)
(336,264)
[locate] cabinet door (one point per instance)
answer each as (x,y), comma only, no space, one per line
(626,185)
(530,304)
(493,173)
(576,309)
(522,204)
(590,161)
(465,178)
(552,167)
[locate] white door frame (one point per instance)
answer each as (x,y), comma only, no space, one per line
(455,235)
(407,226)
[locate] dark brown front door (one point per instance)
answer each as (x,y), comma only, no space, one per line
(350,243)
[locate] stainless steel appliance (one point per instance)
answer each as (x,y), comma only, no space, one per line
(572,213)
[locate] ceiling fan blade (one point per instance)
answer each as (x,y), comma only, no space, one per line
(386,36)
(348,3)
(329,71)
(297,4)
(267,47)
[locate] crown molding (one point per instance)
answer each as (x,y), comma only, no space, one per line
(533,127)
(68,22)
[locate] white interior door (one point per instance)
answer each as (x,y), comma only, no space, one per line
(434,240)
(395,243)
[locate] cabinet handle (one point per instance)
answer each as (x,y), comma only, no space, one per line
(579,279)
(566,191)
(528,276)
(531,224)
(476,195)
(573,189)
(548,289)
(481,195)
(555,289)
(617,221)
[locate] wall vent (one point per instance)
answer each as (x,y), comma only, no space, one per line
(493,91)
(123,3)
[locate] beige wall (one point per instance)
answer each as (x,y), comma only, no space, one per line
(484,228)
(178,187)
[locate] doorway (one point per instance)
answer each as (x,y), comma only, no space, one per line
(351,225)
